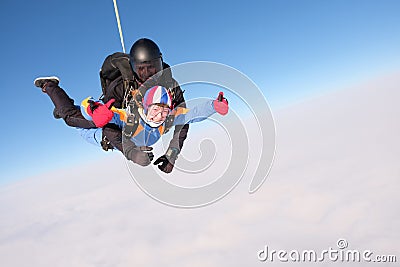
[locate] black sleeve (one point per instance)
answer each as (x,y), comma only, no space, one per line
(117,92)
(180,132)
(114,135)
(129,151)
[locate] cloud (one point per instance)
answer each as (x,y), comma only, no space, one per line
(335,176)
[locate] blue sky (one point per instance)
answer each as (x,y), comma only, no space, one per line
(291,49)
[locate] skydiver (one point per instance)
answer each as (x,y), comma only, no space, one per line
(157,104)
(146,61)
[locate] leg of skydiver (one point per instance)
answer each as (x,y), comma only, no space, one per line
(64,105)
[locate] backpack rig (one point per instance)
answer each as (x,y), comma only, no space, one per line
(116,67)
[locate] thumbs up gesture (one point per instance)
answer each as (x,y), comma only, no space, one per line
(100,113)
(221,104)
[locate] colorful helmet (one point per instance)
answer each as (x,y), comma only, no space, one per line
(157,95)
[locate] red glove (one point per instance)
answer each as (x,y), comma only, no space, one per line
(100,113)
(221,104)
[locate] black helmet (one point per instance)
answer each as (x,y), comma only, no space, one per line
(145,58)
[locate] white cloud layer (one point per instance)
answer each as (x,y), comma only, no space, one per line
(336,175)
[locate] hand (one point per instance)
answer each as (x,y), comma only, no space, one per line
(100,113)
(142,155)
(221,104)
(168,160)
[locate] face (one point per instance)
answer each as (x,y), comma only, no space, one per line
(157,114)
(147,69)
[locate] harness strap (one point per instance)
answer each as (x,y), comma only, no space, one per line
(132,121)
(169,122)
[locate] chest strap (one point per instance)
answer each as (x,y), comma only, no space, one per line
(132,121)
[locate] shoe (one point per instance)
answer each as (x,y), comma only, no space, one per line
(41,81)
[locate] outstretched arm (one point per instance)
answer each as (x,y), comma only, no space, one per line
(202,110)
